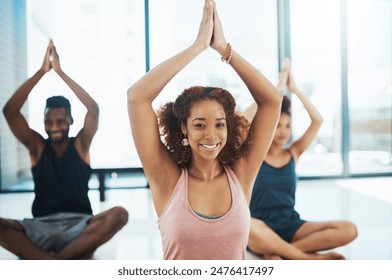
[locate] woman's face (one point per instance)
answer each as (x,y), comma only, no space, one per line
(283,130)
(206,129)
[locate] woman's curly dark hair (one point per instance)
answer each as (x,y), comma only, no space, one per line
(172,115)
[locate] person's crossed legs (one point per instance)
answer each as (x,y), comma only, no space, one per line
(310,238)
(99,230)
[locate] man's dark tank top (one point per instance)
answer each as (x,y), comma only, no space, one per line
(61,184)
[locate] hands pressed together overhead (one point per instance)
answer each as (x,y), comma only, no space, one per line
(51,59)
(286,78)
(210,30)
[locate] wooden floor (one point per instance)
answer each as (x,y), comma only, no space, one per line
(366,202)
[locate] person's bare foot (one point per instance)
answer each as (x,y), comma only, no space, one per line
(329,256)
(272,257)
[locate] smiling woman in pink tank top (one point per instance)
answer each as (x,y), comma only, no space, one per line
(199,156)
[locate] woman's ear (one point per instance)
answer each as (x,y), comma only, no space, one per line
(183,129)
(70,120)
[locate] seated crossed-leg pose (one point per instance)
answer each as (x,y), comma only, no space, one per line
(62,226)
(277,231)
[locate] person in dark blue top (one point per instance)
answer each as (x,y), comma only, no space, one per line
(277,231)
(62,226)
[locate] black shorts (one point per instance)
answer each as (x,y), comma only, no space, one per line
(286,230)
(283,221)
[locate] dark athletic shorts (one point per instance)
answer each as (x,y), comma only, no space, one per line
(53,232)
(283,221)
(287,230)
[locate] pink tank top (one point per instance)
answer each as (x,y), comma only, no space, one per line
(188,236)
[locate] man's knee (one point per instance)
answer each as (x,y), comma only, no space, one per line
(113,219)
(119,216)
(108,222)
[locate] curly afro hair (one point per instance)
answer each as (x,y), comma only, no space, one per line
(172,115)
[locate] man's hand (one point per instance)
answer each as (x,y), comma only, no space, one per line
(46,65)
(55,64)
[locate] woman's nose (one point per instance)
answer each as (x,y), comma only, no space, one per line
(210,132)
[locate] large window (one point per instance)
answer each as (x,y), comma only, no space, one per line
(315,52)
(250,27)
(14,159)
(370,85)
(341,52)
(342,58)
(102,47)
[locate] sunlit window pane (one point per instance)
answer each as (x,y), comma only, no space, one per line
(101,46)
(250,26)
(370,85)
(315,49)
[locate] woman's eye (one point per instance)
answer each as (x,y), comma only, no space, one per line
(199,125)
(220,125)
